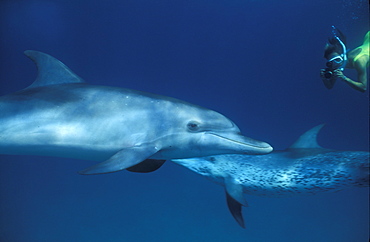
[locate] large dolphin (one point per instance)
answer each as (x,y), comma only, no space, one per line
(305,168)
(60,115)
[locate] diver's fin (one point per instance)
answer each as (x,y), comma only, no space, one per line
(308,140)
(235,199)
(123,159)
(146,166)
(50,70)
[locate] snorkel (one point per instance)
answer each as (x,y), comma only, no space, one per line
(343,56)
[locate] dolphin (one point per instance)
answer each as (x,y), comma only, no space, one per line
(60,115)
(305,168)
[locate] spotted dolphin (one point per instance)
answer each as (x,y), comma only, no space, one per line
(61,115)
(305,168)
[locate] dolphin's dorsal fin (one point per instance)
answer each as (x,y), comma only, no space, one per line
(308,140)
(50,70)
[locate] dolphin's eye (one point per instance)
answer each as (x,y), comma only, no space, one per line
(212,159)
(193,126)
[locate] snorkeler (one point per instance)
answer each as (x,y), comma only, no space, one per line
(338,59)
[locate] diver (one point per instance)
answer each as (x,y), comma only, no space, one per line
(338,58)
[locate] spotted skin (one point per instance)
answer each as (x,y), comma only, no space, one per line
(277,175)
(303,169)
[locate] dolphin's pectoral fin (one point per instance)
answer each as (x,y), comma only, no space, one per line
(148,165)
(235,199)
(123,159)
(235,209)
(235,190)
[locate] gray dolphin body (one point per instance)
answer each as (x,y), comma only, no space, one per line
(303,169)
(60,115)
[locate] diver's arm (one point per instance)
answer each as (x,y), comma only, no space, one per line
(361,83)
(329,83)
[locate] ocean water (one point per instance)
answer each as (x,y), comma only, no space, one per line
(255,61)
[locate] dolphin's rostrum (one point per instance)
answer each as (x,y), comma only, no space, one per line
(61,115)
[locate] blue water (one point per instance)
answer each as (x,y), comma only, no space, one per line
(255,61)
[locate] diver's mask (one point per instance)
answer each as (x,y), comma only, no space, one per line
(335,63)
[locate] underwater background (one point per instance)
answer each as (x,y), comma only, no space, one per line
(255,61)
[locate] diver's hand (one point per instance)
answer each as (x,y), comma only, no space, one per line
(324,78)
(338,73)
(328,82)
(322,74)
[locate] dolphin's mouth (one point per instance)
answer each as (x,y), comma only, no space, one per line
(243,144)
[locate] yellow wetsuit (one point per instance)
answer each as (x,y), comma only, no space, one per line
(364,48)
